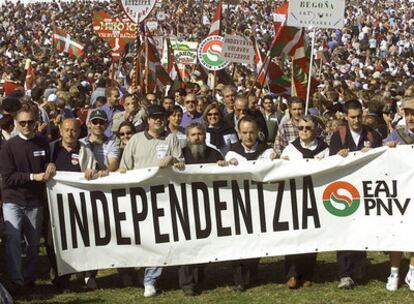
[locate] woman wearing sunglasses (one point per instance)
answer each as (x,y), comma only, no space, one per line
(125,131)
(299,267)
(219,133)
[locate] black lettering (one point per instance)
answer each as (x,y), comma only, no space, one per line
(402,208)
(76,221)
(181,213)
(260,199)
(369,205)
(382,187)
(238,206)
(313,210)
(156,214)
(294,202)
(201,233)
(138,216)
(62,226)
(277,225)
(394,193)
(219,207)
(367,188)
(119,216)
(382,205)
(106,238)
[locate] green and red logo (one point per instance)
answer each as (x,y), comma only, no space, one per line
(209,53)
(340,204)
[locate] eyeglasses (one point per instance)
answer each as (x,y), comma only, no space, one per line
(157,116)
(213,114)
(125,133)
(25,123)
(98,122)
(307,128)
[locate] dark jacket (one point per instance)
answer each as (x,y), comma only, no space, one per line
(261,122)
(211,156)
(336,145)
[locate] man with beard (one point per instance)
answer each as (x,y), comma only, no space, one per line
(196,152)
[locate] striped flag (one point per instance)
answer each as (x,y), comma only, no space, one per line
(156,76)
(280,16)
(215,28)
(64,43)
(172,68)
(286,42)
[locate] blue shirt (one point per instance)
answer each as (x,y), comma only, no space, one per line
(394,136)
(188,119)
(110,112)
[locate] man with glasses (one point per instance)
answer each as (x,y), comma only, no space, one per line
(190,115)
(153,147)
(105,150)
(24,168)
(299,267)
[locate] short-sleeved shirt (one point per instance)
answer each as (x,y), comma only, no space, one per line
(103,152)
(394,136)
(66,160)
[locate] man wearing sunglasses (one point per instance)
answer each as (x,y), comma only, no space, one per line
(24,168)
(191,115)
(105,150)
(299,267)
(152,148)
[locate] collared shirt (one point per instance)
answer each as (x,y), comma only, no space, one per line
(143,150)
(394,136)
(188,119)
(66,160)
(266,155)
(103,152)
(287,133)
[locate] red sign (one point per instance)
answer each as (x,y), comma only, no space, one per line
(116,31)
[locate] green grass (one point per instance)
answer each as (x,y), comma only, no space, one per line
(267,287)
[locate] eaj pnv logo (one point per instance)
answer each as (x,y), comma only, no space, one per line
(209,53)
(338,204)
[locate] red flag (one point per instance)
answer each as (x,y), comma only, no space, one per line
(30,75)
(64,43)
(280,16)
(215,28)
(172,69)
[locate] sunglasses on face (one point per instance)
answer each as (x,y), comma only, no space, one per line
(213,114)
(125,133)
(307,128)
(98,122)
(25,123)
(155,117)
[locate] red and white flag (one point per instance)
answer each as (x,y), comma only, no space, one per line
(215,28)
(280,16)
(63,42)
(30,75)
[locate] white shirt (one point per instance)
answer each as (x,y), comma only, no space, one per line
(355,137)
(266,155)
(292,153)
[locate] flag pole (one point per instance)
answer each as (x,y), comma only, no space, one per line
(137,57)
(310,72)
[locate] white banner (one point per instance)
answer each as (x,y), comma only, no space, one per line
(316,13)
(238,49)
(207,213)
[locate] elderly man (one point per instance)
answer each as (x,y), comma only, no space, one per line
(196,152)
(153,147)
(299,267)
(402,136)
(249,148)
(352,137)
(190,115)
(288,131)
(24,168)
(69,154)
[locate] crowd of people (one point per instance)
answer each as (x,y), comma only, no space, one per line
(73,117)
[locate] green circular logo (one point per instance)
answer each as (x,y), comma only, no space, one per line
(349,204)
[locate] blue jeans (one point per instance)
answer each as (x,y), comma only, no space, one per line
(151,275)
(18,220)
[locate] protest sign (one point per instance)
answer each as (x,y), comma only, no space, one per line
(207,213)
(316,13)
(238,49)
(210,53)
(137,10)
(117,32)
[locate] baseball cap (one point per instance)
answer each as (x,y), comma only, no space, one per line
(408,103)
(98,114)
(154,110)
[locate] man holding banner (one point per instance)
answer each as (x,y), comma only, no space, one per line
(401,136)
(352,137)
(152,148)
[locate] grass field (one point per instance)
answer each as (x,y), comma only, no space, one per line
(267,287)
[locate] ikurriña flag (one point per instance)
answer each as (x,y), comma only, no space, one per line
(63,42)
